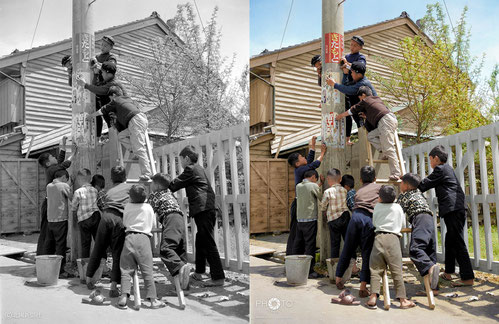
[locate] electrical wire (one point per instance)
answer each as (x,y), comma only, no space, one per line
(34,33)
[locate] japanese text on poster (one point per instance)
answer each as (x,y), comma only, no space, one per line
(333,47)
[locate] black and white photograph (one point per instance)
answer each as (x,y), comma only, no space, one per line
(124,153)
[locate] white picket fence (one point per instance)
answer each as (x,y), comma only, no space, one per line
(475,140)
(228,146)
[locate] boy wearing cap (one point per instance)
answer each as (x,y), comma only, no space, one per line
(356,45)
(382,137)
(105,55)
(131,124)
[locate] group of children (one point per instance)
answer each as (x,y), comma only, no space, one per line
(375,223)
(113,104)
(122,219)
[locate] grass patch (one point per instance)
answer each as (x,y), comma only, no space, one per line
(495,242)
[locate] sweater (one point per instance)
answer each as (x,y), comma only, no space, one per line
(307,195)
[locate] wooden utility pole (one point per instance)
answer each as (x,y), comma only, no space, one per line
(83,103)
(333,102)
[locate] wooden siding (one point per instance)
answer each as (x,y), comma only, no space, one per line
(11,150)
(297,92)
(48,96)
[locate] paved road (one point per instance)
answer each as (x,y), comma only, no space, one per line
(311,303)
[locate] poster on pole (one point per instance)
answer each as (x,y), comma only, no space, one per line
(333,131)
(83,131)
(333,47)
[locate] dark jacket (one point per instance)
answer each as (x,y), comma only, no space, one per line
(351,90)
(124,108)
(449,192)
(374,109)
(199,192)
(311,165)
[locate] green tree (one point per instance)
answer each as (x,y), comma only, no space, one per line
(436,77)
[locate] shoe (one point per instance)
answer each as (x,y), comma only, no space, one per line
(122,302)
(214,283)
(394,178)
(184,273)
(144,178)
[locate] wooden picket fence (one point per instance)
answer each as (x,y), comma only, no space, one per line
(466,162)
(221,152)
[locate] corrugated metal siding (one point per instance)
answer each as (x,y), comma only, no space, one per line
(297,92)
(48,96)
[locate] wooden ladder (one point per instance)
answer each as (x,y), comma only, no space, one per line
(398,149)
(125,160)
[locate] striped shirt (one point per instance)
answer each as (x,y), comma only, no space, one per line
(351,199)
(334,201)
(85,202)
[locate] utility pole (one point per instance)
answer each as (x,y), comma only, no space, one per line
(83,103)
(332,101)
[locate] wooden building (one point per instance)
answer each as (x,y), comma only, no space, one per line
(285,113)
(35,112)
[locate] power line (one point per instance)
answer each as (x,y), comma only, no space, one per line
(450,20)
(34,33)
(199,15)
(285,27)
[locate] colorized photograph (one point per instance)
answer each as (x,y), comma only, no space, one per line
(374,161)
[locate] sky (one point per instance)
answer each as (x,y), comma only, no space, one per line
(268,19)
(55,21)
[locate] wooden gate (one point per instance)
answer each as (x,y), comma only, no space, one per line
(19,196)
(270,195)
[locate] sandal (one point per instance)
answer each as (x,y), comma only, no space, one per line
(155,304)
(460,283)
(411,305)
(122,302)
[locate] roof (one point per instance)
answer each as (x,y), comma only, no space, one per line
(64,44)
(285,52)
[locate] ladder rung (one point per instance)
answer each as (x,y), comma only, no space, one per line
(388,181)
(138,181)
(130,161)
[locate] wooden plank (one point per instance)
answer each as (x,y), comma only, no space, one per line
(223,191)
(470,152)
(486,208)
(260,250)
(236,208)
(495,167)
(17,183)
(10,250)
